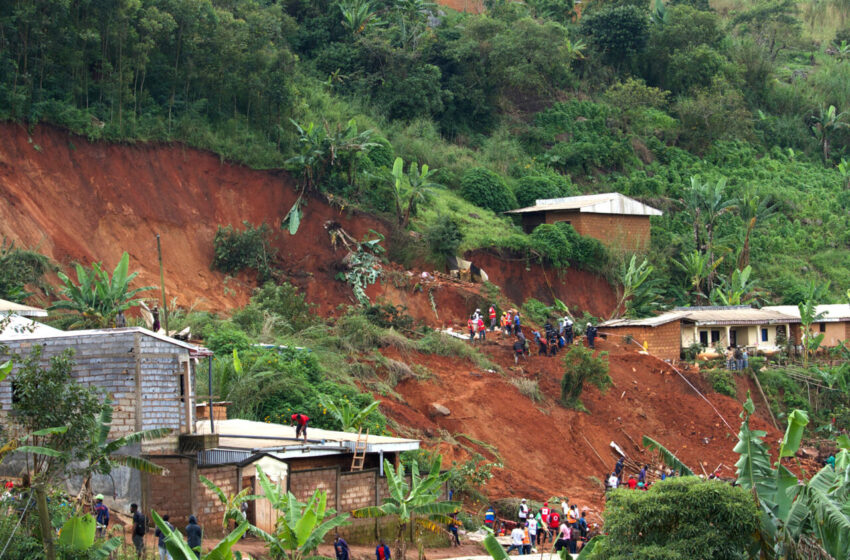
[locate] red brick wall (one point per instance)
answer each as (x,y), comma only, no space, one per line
(303,483)
(172,494)
(664,341)
(620,231)
(210,509)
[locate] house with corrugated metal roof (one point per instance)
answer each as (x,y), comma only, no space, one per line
(762,330)
(612,218)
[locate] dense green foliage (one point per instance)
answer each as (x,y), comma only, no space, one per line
(679,519)
(251,248)
(582,366)
(487,189)
(20,268)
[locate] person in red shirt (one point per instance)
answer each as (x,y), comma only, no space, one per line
(632,482)
(300,421)
(492,317)
(482,329)
(471,325)
(554,522)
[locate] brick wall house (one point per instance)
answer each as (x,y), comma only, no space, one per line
(617,221)
(662,340)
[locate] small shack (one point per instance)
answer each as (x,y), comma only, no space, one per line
(612,218)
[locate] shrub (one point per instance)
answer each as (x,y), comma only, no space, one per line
(617,31)
(19,268)
(530,189)
(444,238)
(486,189)
(281,307)
(249,249)
(694,67)
(723,382)
(551,244)
(679,519)
(388,316)
(635,94)
(581,366)
(536,311)
(529,388)
(225,339)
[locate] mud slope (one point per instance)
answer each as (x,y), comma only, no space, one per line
(79,201)
(542,444)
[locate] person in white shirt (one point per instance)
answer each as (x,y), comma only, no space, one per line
(516,540)
(613,482)
(532,530)
(565,508)
(523,511)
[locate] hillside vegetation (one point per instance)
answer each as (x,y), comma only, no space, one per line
(519,103)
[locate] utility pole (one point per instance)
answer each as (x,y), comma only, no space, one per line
(162,285)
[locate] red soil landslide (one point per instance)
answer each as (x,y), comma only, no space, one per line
(543,445)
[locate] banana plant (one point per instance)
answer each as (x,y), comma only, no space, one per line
(179,549)
(96,296)
(349,416)
(78,535)
(232,503)
(808,316)
(418,502)
(300,527)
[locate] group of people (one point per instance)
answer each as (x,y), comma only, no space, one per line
(565,529)
(194,532)
(737,358)
(615,479)
(510,322)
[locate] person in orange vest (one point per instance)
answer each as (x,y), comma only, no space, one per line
(492,314)
(471,325)
(526,540)
(482,329)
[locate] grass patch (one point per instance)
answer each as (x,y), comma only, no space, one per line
(529,388)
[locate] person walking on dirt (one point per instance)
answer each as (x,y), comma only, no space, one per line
(542,528)
(101,513)
(590,333)
(517,323)
(139,530)
(568,331)
(517,535)
(509,328)
(160,539)
(194,535)
(582,525)
(532,532)
(642,474)
(341,548)
(300,421)
(541,344)
(618,468)
(453,523)
(482,329)
(490,518)
(471,324)
(519,350)
(554,522)
(492,314)
(382,552)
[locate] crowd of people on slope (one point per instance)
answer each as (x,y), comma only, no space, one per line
(566,529)
(548,343)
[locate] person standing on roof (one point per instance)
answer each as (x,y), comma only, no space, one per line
(590,333)
(101,514)
(492,314)
(300,421)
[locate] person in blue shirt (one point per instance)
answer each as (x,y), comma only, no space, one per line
(489,518)
(194,535)
(341,548)
(101,513)
(382,551)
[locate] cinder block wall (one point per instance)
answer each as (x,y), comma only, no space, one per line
(630,233)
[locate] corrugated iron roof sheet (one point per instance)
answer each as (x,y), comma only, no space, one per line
(605,203)
(730,315)
(833,312)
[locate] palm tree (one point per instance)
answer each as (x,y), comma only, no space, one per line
(825,124)
(418,502)
(696,267)
(96,297)
(753,209)
(707,203)
(738,289)
(348,415)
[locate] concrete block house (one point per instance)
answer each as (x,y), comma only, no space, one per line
(616,220)
(151,380)
(763,330)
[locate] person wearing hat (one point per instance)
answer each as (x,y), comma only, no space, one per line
(590,333)
(101,515)
(523,511)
